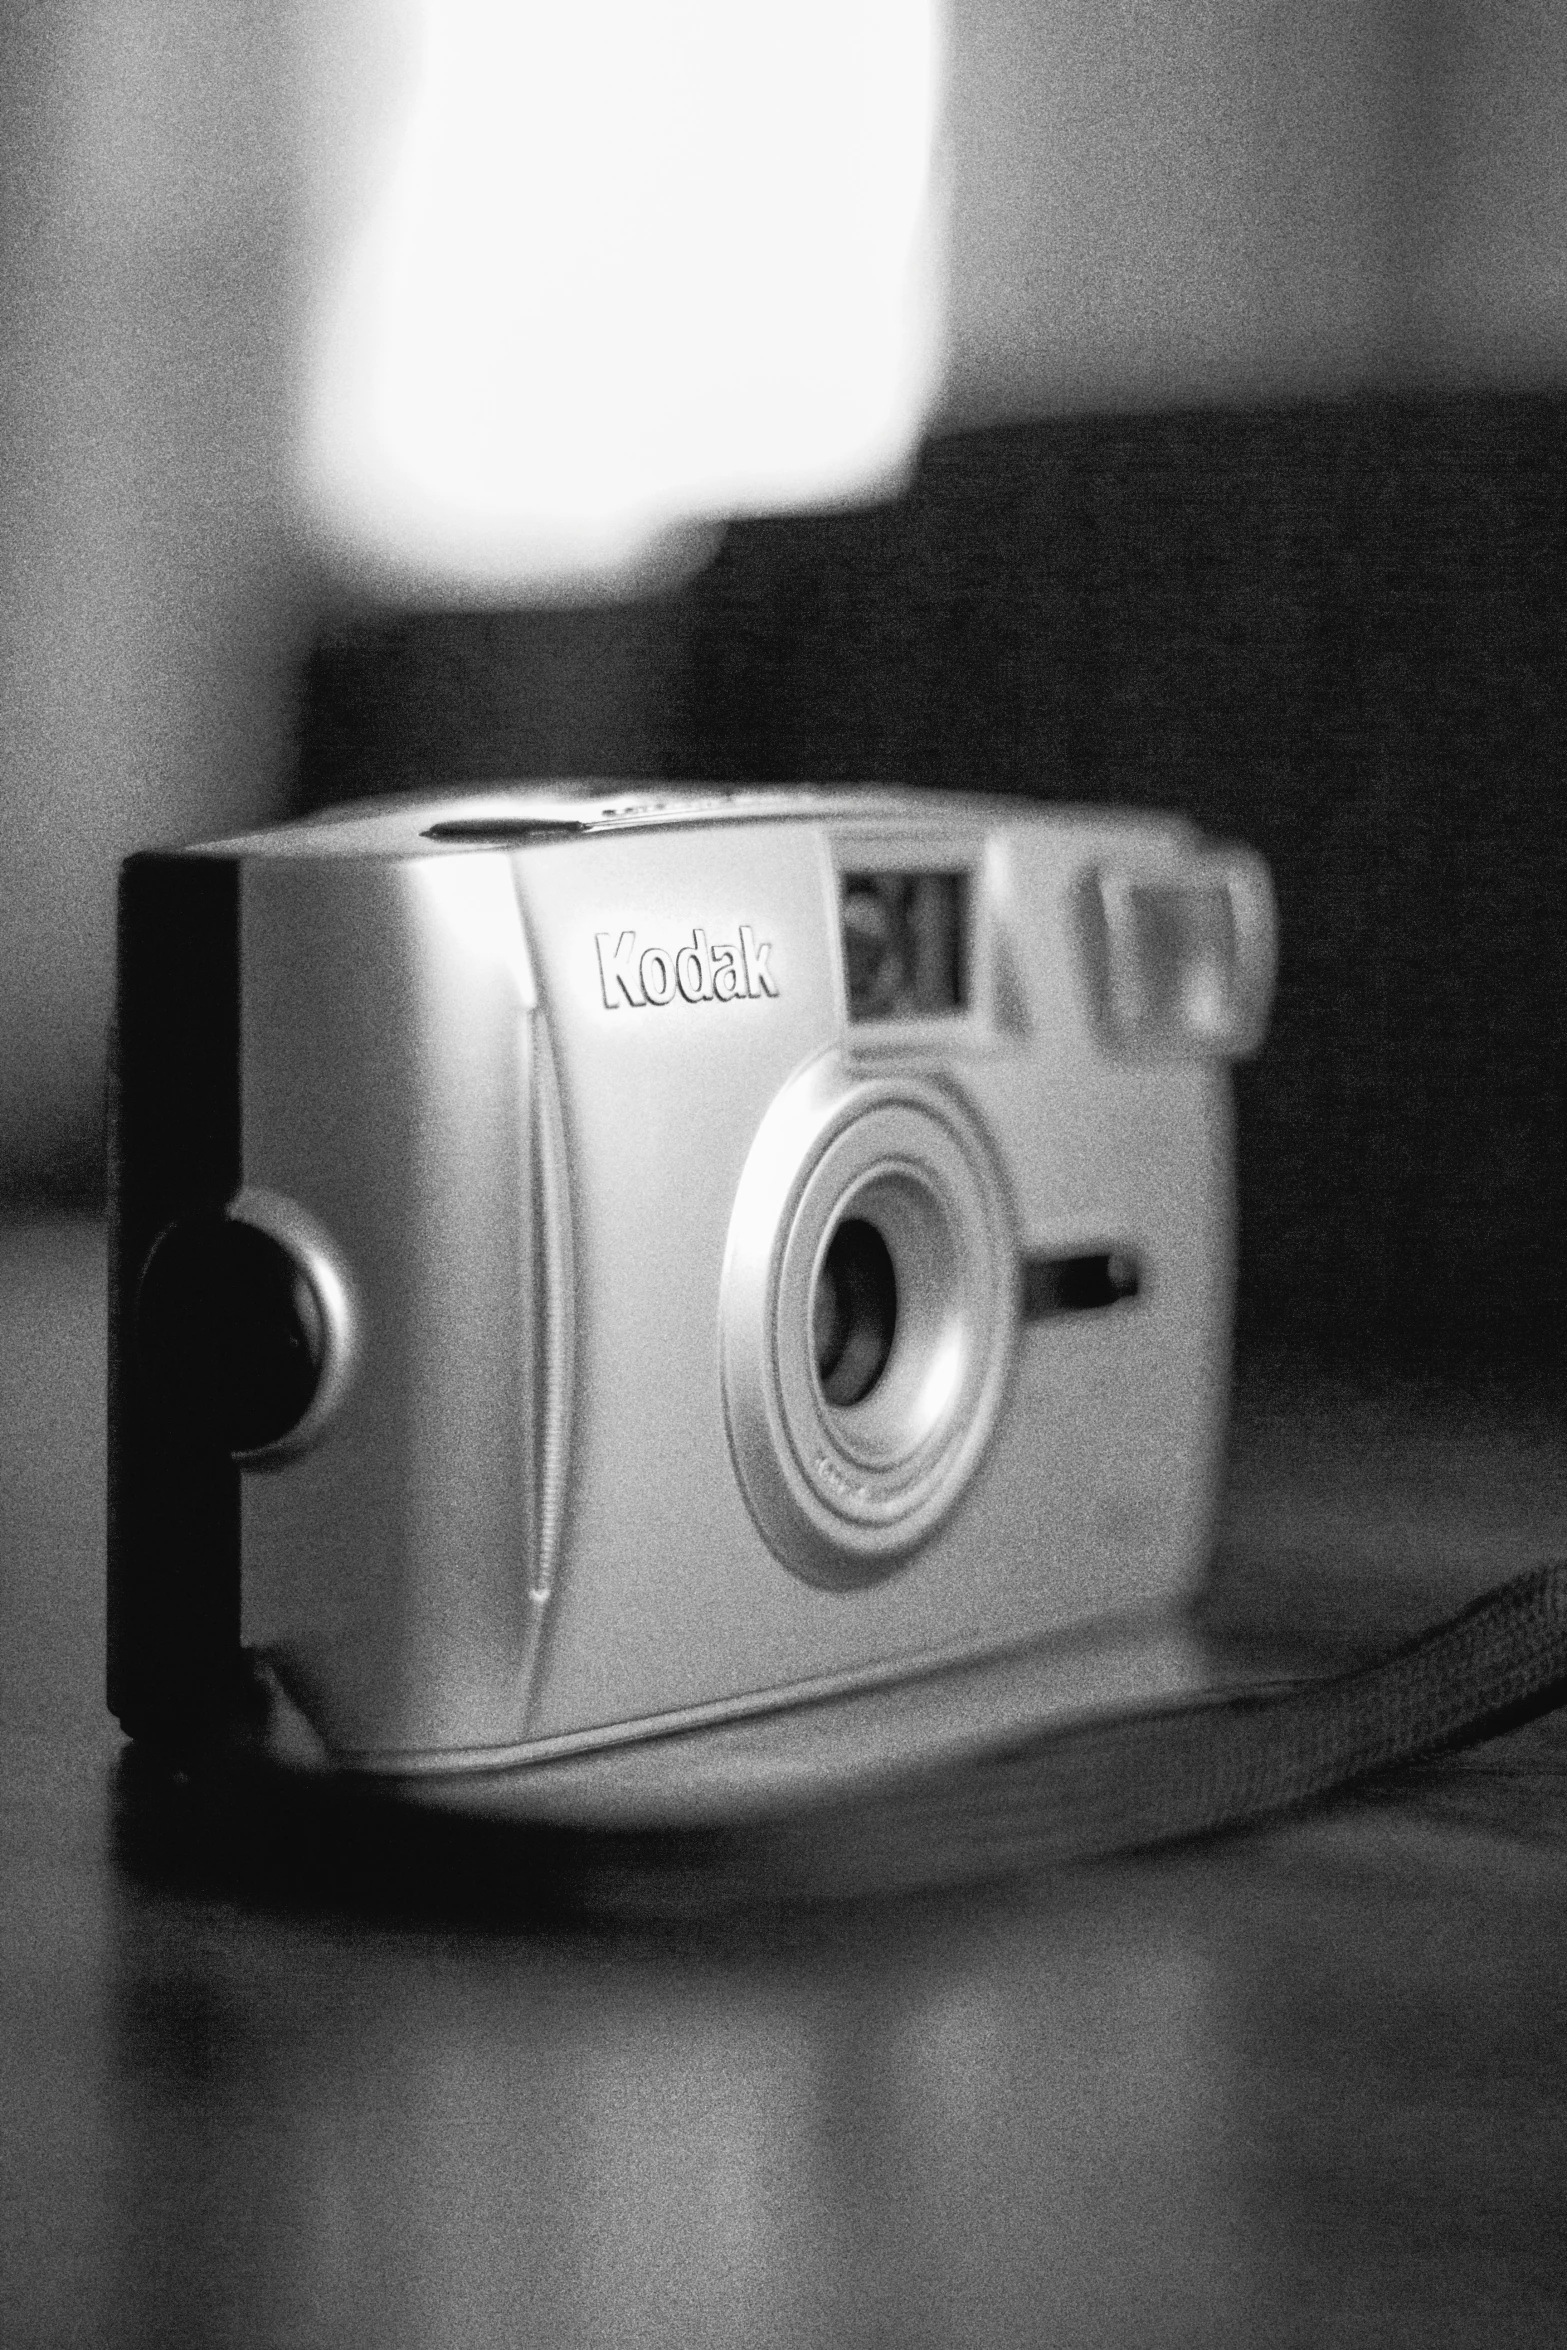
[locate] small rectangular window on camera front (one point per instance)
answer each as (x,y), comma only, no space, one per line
(905,944)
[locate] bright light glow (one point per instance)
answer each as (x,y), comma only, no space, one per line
(638,261)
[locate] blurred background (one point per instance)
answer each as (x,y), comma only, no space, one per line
(1107,402)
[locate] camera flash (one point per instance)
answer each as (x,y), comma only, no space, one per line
(1184,958)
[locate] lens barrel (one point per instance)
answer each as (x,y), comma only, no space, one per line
(854,1314)
(868,1316)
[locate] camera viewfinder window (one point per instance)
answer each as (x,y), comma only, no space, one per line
(905,944)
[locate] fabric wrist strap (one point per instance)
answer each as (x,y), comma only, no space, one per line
(1073,1793)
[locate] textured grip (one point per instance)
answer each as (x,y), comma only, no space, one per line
(173,1584)
(555,1338)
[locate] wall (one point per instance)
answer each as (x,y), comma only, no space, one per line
(1210,208)
(1337,631)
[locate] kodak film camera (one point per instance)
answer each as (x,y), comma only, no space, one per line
(589,1266)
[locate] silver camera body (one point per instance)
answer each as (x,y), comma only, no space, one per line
(594,1263)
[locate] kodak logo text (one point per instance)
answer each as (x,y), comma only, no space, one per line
(701,973)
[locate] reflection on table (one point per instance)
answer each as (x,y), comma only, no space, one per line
(1303,2085)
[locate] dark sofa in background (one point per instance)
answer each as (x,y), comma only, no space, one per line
(1337,631)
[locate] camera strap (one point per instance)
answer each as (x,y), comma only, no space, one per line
(1121,1785)
(530,1841)
(1232,1761)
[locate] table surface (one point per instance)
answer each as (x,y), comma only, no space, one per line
(1304,2084)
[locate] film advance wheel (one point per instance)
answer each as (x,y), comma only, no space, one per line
(244,1331)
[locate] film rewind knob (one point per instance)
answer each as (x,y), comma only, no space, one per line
(231,1333)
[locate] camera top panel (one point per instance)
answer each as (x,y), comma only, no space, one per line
(531,815)
(937,904)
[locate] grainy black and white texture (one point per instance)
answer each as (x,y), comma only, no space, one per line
(1305,2084)
(1282,547)
(1334,630)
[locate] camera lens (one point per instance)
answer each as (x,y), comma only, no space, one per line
(231,1333)
(869,1309)
(854,1311)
